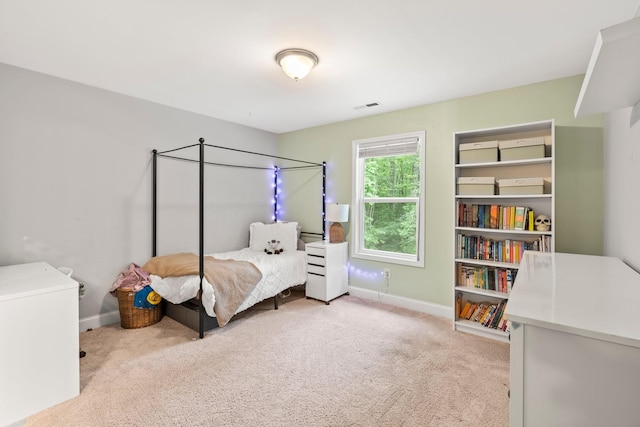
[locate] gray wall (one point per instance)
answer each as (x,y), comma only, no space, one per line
(75,174)
(622,194)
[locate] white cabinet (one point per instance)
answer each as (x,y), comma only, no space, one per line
(489,192)
(39,357)
(575,342)
(612,80)
(327,276)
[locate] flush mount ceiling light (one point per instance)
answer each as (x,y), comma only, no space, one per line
(296,63)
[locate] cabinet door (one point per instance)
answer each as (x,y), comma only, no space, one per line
(316,286)
(516,377)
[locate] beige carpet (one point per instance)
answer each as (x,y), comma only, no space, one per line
(352,363)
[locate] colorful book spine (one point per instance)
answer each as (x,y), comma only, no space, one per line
(519,218)
(494,216)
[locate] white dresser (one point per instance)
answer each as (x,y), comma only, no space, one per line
(39,340)
(575,342)
(327,276)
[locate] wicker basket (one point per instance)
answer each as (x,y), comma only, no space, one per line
(132,317)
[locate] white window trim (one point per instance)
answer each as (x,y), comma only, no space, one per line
(357,250)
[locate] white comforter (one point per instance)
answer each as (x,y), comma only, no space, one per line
(279,272)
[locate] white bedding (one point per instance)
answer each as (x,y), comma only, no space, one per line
(279,272)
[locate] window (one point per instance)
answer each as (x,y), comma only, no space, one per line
(389,199)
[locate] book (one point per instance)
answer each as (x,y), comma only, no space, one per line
(502,324)
(530,220)
(512,217)
(482,307)
(465,310)
(499,318)
(518,220)
(509,281)
(494,216)
(493,322)
(474,216)
(487,314)
(472,310)
(505,217)
(487,216)
(480,216)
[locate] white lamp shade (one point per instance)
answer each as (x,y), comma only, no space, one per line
(296,63)
(337,212)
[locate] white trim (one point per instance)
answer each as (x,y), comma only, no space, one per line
(392,258)
(99,320)
(408,303)
(391,200)
(112,317)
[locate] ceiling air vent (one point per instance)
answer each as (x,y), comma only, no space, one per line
(360,107)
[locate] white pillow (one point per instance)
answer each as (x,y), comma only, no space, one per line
(260,234)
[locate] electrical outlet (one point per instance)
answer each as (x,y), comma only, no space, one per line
(387,273)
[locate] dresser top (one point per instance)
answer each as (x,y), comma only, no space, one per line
(23,280)
(586,295)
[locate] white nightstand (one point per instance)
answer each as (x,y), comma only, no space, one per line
(327,276)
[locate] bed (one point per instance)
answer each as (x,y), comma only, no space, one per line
(216,286)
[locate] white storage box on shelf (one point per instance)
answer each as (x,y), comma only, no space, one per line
(476,186)
(520,186)
(521,149)
(478,152)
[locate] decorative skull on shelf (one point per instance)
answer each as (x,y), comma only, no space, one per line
(543,223)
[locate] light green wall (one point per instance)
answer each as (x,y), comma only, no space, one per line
(579,174)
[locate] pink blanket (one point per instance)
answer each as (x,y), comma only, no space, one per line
(134,278)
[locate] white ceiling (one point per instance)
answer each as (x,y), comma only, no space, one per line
(216,57)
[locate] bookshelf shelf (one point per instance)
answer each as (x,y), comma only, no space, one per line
(505,197)
(486,260)
(494,264)
(479,291)
(543,160)
(501,231)
(476,329)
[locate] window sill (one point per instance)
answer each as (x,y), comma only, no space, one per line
(388,259)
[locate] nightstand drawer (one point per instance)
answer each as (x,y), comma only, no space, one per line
(316,260)
(316,269)
(315,252)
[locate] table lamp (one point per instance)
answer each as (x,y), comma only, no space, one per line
(337,213)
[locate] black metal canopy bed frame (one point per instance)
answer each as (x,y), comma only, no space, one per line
(170,154)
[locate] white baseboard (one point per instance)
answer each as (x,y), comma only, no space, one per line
(112,317)
(408,303)
(99,320)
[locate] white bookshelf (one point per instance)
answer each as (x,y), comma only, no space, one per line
(539,203)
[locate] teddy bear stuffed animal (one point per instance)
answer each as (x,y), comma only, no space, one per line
(273,247)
